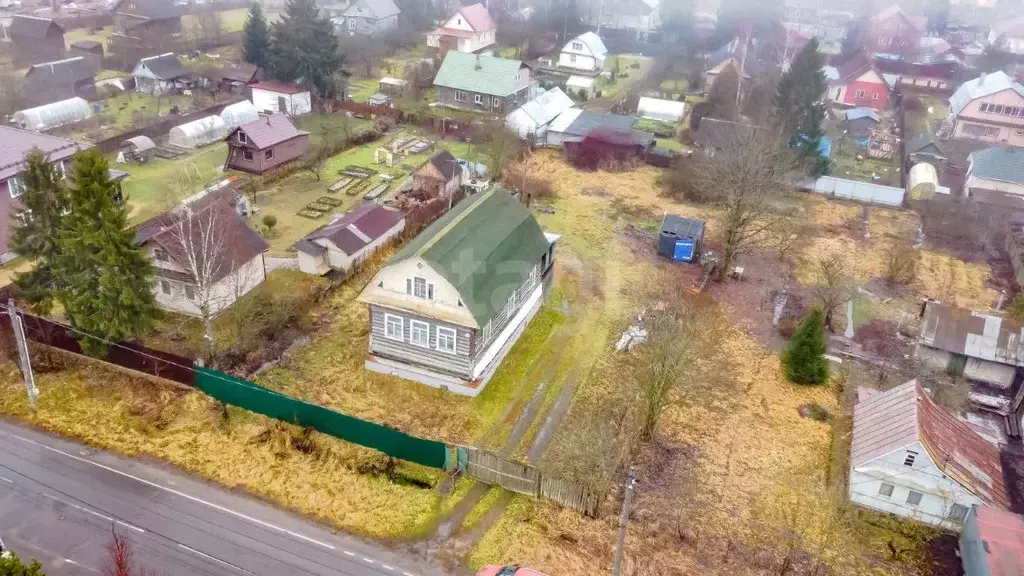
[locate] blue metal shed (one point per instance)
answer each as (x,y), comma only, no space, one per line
(680,238)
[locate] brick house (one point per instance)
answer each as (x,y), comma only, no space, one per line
(265,144)
(483,83)
(856,82)
(35,39)
(989,108)
(892,31)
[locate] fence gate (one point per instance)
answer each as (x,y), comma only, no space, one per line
(515,476)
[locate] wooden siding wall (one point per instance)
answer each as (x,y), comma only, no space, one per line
(504,316)
(458,364)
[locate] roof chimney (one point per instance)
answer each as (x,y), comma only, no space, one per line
(268,119)
(478,66)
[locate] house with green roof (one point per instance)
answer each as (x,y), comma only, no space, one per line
(995,170)
(483,83)
(446,309)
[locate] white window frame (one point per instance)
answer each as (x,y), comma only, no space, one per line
(920,497)
(15,186)
(247,155)
(419,327)
(874,95)
(351,22)
(412,286)
(859,93)
(577,45)
(190,292)
(446,334)
(242,139)
(572,58)
(883,486)
(268,154)
(388,319)
(165,287)
(495,101)
(957,517)
(478,99)
(461,96)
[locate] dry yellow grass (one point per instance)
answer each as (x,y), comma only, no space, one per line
(943,277)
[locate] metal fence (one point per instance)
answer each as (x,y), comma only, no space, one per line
(490,468)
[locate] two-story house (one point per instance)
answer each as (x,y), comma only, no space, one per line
(911,458)
(35,39)
(17,143)
(585,52)
(989,108)
(447,308)
(49,82)
(471,29)
(205,253)
(366,17)
(892,31)
(265,144)
(856,82)
(484,83)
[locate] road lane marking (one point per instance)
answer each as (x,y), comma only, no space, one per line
(347,553)
(7,480)
(73,563)
(386,567)
(208,557)
(136,528)
(180,493)
(367,560)
(77,507)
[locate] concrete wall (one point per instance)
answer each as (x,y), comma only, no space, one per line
(938,492)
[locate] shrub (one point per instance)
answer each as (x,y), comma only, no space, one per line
(624,75)
(597,94)
(815,411)
(787,327)
(804,360)
(635,65)
(583,95)
(270,221)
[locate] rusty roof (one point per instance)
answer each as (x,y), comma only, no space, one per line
(972,334)
(1003,536)
(896,418)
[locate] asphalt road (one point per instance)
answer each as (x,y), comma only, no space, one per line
(59,501)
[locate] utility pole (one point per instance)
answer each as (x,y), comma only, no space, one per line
(627,506)
(24,361)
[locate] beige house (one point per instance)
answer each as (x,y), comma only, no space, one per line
(205,253)
(989,108)
(441,176)
(349,239)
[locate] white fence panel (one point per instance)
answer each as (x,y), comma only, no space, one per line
(854,190)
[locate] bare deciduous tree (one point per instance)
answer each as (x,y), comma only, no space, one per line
(679,360)
(120,559)
(900,262)
(833,285)
(500,145)
(746,178)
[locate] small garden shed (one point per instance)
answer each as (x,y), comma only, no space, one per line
(197,133)
(139,149)
(680,238)
(922,181)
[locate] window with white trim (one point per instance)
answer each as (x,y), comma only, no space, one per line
(242,139)
(577,45)
(419,333)
(572,57)
(914,498)
(885,490)
(247,154)
(478,98)
(15,186)
(874,95)
(165,286)
(190,292)
(461,96)
(393,327)
(446,339)
(160,255)
(269,154)
(419,288)
(495,101)
(859,93)
(958,512)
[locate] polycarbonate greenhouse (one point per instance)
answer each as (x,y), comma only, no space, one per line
(55,114)
(197,133)
(238,114)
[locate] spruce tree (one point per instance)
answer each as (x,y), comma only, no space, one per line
(804,360)
(800,94)
(304,47)
(105,278)
(11,565)
(35,229)
(256,48)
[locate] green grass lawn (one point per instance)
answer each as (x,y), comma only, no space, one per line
(157,186)
(122,108)
(674,86)
(611,89)
(671,144)
(363,89)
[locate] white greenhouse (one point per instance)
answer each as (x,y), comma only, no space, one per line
(658,109)
(238,114)
(55,114)
(197,133)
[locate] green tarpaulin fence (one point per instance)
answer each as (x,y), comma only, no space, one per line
(245,394)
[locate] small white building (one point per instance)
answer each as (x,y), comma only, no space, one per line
(531,120)
(349,239)
(197,132)
(270,96)
(471,29)
(53,115)
(584,52)
(576,85)
(911,458)
(663,110)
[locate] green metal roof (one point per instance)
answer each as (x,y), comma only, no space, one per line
(483,74)
(485,247)
(1002,164)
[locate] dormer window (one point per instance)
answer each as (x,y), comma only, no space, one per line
(577,46)
(242,138)
(418,287)
(160,255)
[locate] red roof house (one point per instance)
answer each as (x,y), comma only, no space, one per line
(471,29)
(911,458)
(857,82)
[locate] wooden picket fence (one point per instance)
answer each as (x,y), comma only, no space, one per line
(490,468)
